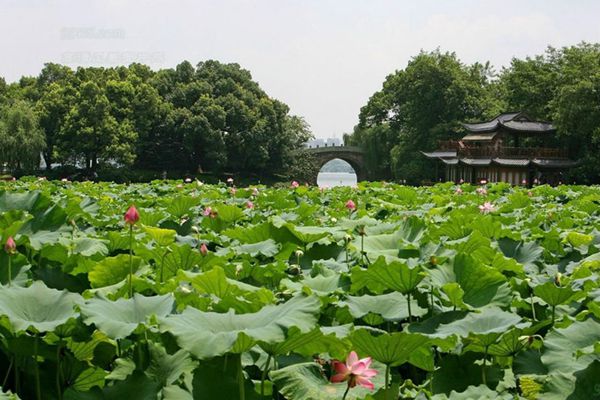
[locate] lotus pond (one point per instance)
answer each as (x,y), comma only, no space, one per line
(216,292)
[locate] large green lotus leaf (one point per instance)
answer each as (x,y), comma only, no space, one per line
(118,319)
(27,201)
(526,253)
(19,267)
(88,378)
(480,392)
(305,381)
(385,245)
(305,234)
(182,205)
(391,349)
(87,247)
(565,349)
(37,306)
(585,386)
(321,285)
(486,325)
(554,295)
(217,378)
(174,392)
(396,276)
(482,286)
(228,213)
(239,296)
(476,245)
(112,270)
(166,368)
(267,248)
(456,373)
(392,306)
(295,339)
(208,334)
(181,257)
(162,237)
(8,395)
(580,241)
(137,387)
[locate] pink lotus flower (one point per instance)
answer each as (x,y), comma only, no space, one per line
(203,249)
(255,192)
(529,193)
(249,204)
(350,205)
(209,212)
(230,181)
(64,180)
(132,216)
(486,208)
(10,246)
(188,180)
(458,191)
(482,191)
(461,180)
(354,371)
(295,184)
(233,191)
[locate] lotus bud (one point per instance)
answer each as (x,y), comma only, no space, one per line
(299,253)
(132,216)
(350,205)
(196,229)
(203,249)
(557,279)
(10,246)
(348,238)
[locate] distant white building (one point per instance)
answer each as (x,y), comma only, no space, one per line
(329,142)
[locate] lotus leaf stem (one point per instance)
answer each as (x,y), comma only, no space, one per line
(264,376)
(9,270)
(38,390)
(130,261)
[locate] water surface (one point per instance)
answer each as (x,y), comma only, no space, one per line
(330,179)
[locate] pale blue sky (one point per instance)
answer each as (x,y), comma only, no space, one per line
(323,58)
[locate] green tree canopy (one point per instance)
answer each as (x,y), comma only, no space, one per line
(21,139)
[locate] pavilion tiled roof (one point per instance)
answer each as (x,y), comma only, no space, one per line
(515,121)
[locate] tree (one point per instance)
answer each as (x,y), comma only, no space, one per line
(418,106)
(575,107)
(21,139)
(92,134)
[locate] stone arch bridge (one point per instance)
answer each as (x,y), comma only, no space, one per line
(354,156)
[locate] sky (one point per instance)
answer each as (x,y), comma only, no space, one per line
(323,58)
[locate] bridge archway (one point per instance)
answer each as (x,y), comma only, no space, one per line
(336,172)
(352,155)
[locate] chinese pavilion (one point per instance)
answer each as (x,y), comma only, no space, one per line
(509,148)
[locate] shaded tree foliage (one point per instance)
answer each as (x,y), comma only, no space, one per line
(426,102)
(21,139)
(418,106)
(212,117)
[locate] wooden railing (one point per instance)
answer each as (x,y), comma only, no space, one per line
(513,152)
(501,152)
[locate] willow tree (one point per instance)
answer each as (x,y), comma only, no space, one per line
(21,138)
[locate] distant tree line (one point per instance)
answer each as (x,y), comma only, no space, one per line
(426,102)
(212,117)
